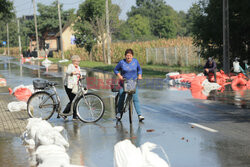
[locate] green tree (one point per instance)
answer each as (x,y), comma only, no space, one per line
(47,22)
(6,10)
(90,21)
(140,26)
(160,14)
(12,32)
(207,28)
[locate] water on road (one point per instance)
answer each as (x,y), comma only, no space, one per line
(193,132)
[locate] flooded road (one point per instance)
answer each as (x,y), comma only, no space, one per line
(193,132)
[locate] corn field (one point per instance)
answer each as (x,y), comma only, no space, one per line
(179,51)
(178,55)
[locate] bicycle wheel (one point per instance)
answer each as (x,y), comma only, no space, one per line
(89,108)
(41,105)
(130,110)
(116,104)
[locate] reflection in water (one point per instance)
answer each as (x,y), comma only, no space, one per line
(239,98)
(77,155)
(21,68)
(123,134)
(10,152)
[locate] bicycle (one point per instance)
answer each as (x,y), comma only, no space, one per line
(43,103)
(129,89)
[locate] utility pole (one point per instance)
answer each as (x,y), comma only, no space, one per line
(37,42)
(226,61)
(19,38)
(60,27)
(8,41)
(108,32)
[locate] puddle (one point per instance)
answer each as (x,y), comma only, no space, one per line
(13,153)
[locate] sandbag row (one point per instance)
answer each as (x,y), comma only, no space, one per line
(48,144)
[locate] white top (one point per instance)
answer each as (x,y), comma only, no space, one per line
(71,80)
(236,66)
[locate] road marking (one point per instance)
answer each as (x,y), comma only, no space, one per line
(203,127)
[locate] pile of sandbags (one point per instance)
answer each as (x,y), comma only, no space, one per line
(48,144)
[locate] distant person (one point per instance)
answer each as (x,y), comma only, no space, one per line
(210,67)
(72,77)
(236,66)
(128,68)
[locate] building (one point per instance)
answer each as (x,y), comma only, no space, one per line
(52,40)
(67,36)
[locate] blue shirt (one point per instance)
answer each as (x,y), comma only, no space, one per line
(128,70)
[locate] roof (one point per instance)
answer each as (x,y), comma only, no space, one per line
(68,24)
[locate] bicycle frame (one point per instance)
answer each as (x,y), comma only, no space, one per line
(128,98)
(53,94)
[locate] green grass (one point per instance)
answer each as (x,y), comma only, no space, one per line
(149,71)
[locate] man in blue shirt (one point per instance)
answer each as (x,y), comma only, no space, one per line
(128,68)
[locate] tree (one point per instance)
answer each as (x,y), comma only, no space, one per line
(6,10)
(163,19)
(90,22)
(47,22)
(6,16)
(207,28)
(48,19)
(140,26)
(12,32)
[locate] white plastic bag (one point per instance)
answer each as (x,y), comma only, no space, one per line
(17,106)
(127,155)
(75,89)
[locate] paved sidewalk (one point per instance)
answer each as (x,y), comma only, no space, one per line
(11,123)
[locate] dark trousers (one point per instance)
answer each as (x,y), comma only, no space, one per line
(71,98)
(207,74)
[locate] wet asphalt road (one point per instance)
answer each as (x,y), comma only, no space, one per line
(192,132)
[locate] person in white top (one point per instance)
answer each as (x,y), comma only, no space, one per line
(72,76)
(236,66)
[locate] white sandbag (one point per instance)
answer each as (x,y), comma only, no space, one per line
(58,128)
(171,74)
(171,82)
(50,136)
(210,86)
(50,145)
(178,81)
(45,152)
(64,60)
(127,155)
(38,127)
(151,159)
(46,61)
(17,106)
(200,74)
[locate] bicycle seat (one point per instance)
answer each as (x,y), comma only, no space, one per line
(52,83)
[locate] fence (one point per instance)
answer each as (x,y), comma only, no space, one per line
(181,55)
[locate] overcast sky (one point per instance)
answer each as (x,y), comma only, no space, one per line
(25,7)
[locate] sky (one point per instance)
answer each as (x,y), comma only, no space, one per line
(25,7)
